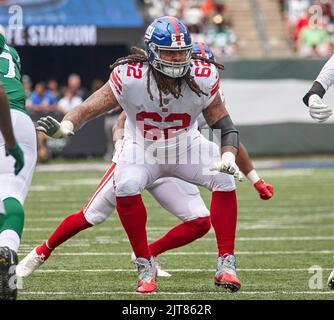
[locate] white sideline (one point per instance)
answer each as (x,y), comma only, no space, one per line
(105,240)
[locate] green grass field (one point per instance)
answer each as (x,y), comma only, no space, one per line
(277,242)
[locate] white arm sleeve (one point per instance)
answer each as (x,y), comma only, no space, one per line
(326,75)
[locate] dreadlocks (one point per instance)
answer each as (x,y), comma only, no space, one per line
(199,57)
(164,83)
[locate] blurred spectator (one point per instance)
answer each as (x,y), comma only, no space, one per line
(328,12)
(192,14)
(69,101)
(74,83)
(192,18)
(158,8)
(42,99)
(310,26)
(296,9)
(208,7)
(206,20)
(302,22)
(221,38)
(196,33)
(314,41)
(53,86)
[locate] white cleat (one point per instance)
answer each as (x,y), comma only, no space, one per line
(160,272)
(29,264)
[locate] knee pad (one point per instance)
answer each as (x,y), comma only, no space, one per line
(129,186)
(95,217)
(223,182)
(14,216)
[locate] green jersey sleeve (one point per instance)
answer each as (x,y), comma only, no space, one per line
(2,42)
(10,76)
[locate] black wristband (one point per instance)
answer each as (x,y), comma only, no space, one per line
(317,89)
(228,133)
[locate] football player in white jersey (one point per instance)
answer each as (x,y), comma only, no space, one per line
(162,94)
(179,197)
(320,111)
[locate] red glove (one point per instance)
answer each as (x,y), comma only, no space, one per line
(265,190)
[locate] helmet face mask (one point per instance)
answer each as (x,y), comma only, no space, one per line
(173,69)
(168,35)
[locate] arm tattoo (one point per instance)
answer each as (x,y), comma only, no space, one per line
(95,105)
(217,117)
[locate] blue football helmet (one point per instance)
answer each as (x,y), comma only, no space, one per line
(203,50)
(169,34)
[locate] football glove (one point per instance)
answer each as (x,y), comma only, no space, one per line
(319,111)
(227,165)
(17,153)
(55,129)
(265,190)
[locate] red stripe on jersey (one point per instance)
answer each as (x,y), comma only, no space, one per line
(114,85)
(215,87)
(118,78)
(117,82)
(108,175)
(176,28)
(214,91)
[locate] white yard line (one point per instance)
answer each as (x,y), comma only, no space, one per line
(191,253)
(241,226)
(114,240)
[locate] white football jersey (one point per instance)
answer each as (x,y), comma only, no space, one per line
(326,75)
(129,85)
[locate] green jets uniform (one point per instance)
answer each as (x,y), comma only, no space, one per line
(10,76)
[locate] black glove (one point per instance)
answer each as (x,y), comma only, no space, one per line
(317,89)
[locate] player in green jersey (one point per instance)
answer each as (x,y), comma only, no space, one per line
(14,183)
(6,129)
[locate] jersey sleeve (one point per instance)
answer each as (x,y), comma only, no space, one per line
(2,42)
(116,83)
(16,58)
(210,85)
(326,75)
